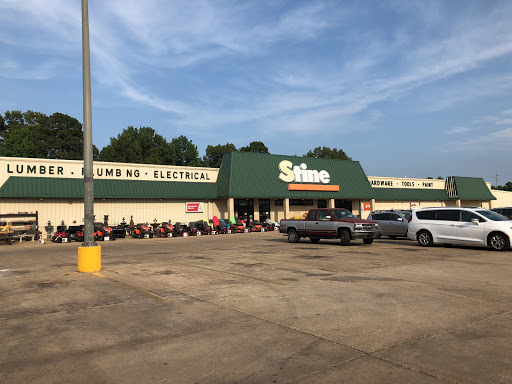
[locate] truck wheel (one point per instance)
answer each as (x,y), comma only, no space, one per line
(367,241)
(314,240)
(293,236)
(344,237)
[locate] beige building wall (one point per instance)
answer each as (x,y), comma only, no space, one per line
(142,211)
(503,199)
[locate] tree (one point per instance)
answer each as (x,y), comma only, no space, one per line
(430,177)
(2,127)
(214,154)
(20,143)
(22,134)
(33,134)
(62,137)
(142,145)
(186,151)
(255,146)
(328,153)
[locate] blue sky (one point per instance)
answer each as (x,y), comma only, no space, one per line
(408,88)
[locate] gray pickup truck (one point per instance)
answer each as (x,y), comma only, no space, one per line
(326,223)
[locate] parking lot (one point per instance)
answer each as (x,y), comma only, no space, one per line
(253,308)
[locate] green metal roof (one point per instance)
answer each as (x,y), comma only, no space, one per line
(408,194)
(468,188)
(48,187)
(245,175)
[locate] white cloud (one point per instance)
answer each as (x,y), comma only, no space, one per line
(494,141)
(459,130)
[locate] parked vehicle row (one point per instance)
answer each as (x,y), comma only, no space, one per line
(429,226)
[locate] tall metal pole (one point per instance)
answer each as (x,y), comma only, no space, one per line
(88,166)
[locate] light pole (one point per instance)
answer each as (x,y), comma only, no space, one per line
(89,254)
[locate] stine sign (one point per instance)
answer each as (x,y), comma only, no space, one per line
(301,174)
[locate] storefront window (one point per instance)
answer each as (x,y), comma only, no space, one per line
(300,202)
(278,202)
(322,203)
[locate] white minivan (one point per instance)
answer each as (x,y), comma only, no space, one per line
(460,226)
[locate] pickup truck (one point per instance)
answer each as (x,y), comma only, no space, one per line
(330,223)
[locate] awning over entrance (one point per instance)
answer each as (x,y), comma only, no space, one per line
(257,175)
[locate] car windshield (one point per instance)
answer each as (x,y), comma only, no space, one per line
(492,215)
(342,214)
(407,215)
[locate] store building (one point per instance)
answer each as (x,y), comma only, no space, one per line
(247,184)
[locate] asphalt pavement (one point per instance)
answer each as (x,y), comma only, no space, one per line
(253,308)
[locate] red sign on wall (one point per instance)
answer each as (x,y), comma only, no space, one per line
(194,207)
(367,206)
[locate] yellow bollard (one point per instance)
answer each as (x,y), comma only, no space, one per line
(89,259)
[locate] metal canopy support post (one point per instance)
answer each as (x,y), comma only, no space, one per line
(89,254)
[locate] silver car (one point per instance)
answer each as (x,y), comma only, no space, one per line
(392,223)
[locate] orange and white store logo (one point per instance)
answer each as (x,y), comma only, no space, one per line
(301,174)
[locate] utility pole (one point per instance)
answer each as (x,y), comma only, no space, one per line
(89,254)
(496,180)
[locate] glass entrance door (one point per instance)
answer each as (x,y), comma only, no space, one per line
(244,208)
(264,210)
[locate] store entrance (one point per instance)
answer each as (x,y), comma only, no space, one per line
(264,210)
(244,208)
(347,204)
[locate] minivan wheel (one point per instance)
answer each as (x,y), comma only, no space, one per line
(425,238)
(293,236)
(498,242)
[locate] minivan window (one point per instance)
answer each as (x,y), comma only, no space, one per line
(492,215)
(467,216)
(426,215)
(384,216)
(448,215)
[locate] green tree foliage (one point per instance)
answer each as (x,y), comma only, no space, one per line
(20,143)
(139,145)
(2,126)
(214,154)
(186,151)
(506,187)
(328,153)
(255,146)
(62,137)
(33,134)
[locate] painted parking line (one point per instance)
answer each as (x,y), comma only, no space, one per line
(133,287)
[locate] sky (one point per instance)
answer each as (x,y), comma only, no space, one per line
(407,88)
